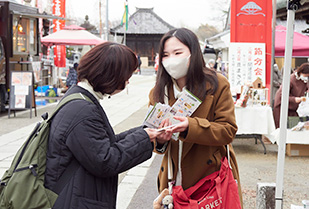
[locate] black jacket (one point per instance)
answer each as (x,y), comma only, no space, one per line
(81,131)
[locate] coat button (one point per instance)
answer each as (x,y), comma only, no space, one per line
(209,162)
(162,168)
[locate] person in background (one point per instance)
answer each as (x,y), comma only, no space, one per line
(211,64)
(298,88)
(81,132)
(3,92)
(139,64)
(277,80)
(156,65)
(72,76)
(204,135)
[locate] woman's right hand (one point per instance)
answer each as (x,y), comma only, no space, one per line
(152,133)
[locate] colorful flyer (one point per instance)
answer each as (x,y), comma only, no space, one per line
(185,106)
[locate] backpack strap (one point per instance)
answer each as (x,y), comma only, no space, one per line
(74,165)
(67,99)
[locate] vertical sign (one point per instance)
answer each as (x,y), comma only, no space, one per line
(247,63)
(251,22)
(59,51)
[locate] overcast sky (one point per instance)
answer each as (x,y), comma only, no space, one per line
(178,13)
(187,13)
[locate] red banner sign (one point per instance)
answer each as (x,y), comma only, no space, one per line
(59,51)
(251,22)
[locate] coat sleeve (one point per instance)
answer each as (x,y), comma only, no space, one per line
(95,151)
(222,129)
(125,133)
(292,103)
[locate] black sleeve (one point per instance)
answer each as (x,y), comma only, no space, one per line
(92,147)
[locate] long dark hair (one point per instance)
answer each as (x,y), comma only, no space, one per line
(107,67)
(198,76)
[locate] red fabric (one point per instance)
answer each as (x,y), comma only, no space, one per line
(300,43)
(59,51)
(60,56)
(216,191)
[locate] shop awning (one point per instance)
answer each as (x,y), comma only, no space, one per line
(71,35)
(37,15)
(300,43)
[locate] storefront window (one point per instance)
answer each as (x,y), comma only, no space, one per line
(24,35)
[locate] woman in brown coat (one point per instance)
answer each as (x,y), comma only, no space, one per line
(298,87)
(212,126)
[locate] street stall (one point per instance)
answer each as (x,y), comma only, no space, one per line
(20,35)
(247,76)
(297,141)
(70,35)
(250,67)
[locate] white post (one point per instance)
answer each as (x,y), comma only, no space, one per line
(273,54)
(124,36)
(106,22)
(284,107)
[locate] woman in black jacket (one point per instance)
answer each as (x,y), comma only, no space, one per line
(81,132)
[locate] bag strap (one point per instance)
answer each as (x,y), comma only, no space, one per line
(169,170)
(74,165)
(67,99)
(228,154)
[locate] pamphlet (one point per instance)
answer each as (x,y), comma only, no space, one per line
(156,114)
(185,106)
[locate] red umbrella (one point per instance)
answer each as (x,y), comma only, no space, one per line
(71,35)
(300,43)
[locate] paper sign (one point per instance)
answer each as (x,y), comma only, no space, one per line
(247,63)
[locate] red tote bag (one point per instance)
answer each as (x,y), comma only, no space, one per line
(218,190)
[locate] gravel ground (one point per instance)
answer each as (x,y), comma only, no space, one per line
(255,167)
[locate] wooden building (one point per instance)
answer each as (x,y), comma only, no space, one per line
(301,14)
(145,29)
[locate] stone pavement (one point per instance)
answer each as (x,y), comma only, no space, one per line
(130,104)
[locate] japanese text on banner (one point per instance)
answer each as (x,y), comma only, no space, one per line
(247,63)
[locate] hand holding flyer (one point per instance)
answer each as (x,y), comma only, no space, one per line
(166,127)
(185,106)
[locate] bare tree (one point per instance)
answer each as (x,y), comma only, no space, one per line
(206,31)
(223,7)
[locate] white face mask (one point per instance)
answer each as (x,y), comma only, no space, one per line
(303,78)
(176,67)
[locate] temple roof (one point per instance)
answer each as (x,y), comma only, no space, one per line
(144,21)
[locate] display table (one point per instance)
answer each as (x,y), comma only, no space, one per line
(255,121)
(297,141)
(292,137)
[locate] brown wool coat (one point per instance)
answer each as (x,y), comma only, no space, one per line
(211,127)
(297,89)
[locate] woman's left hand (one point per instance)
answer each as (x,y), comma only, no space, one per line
(182,126)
